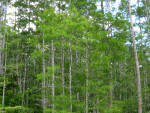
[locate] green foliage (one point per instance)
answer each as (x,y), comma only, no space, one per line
(141,11)
(101,49)
(16,109)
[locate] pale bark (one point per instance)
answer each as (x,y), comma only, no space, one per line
(3,97)
(43,68)
(94,110)
(24,83)
(87,79)
(102,9)
(28,65)
(62,66)
(111,92)
(1,38)
(17,62)
(21,82)
(70,78)
(53,76)
(43,80)
(27,78)
(137,63)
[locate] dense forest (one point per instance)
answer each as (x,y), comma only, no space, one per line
(74,56)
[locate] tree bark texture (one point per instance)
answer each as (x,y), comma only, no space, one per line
(137,63)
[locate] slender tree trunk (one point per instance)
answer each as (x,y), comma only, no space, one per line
(62,71)
(3,98)
(1,38)
(21,82)
(63,79)
(102,9)
(23,77)
(28,65)
(137,63)
(87,79)
(94,110)
(111,92)
(27,78)
(53,77)
(17,63)
(43,80)
(70,78)
(24,83)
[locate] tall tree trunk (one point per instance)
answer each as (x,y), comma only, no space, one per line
(43,80)
(24,82)
(17,63)
(27,78)
(21,82)
(1,38)
(53,77)
(87,78)
(102,9)
(43,66)
(3,98)
(63,79)
(70,78)
(28,65)
(137,63)
(62,72)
